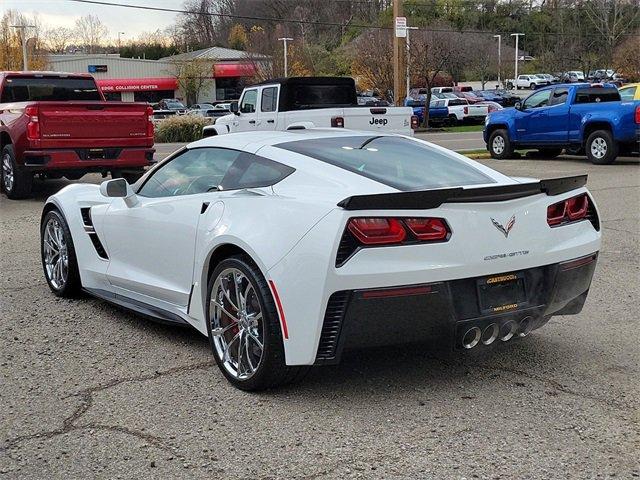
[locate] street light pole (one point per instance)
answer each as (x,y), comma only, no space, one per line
(515,75)
(25,63)
(409,58)
(499,37)
(119,33)
(285,40)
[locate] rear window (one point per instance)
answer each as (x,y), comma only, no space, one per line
(453,103)
(42,89)
(596,95)
(398,162)
(304,97)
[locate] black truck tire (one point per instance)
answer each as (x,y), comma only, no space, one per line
(16,182)
(601,148)
(499,145)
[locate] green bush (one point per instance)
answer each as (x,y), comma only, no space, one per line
(180,128)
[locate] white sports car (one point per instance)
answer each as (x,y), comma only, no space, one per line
(285,248)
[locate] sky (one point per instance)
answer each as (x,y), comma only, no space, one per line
(128,20)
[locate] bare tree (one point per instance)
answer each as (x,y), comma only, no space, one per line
(372,66)
(58,39)
(90,32)
(612,19)
(193,77)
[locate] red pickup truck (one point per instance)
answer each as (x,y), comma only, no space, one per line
(59,125)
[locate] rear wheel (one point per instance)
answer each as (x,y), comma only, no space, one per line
(499,145)
(244,327)
(532,86)
(16,182)
(453,120)
(601,149)
(59,256)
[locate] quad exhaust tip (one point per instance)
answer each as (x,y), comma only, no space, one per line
(525,326)
(471,338)
(508,330)
(490,333)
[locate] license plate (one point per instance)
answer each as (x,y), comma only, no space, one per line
(502,293)
(95,153)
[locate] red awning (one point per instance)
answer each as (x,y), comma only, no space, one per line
(137,84)
(234,70)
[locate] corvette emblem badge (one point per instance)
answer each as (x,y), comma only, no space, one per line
(504,229)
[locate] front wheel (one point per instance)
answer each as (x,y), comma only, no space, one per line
(532,86)
(59,255)
(601,149)
(500,146)
(244,327)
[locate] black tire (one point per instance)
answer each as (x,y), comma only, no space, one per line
(509,86)
(21,181)
(493,146)
(272,370)
(532,86)
(72,285)
(453,120)
(549,152)
(605,139)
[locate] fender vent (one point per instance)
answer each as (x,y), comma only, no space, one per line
(348,246)
(331,327)
(93,236)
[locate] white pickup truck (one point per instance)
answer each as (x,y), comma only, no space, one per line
(309,102)
(461,111)
(527,81)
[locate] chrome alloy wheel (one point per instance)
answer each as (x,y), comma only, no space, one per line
(498,145)
(7,172)
(56,255)
(236,323)
(599,147)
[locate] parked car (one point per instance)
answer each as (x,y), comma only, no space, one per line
(492,106)
(308,102)
(461,111)
(574,76)
(546,77)
(630,91)
(59,125)
(442,90)
(286,249)
(574,116)
(468,96)
(171,104)
(209,110)
(489,95)
(508,98)
(526,81)
(438,113)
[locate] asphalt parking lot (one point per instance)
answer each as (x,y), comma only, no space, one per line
(91,391)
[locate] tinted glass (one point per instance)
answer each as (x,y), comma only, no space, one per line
(628,93)
(559,96)
(539,99)
(249,101)
(319,96)
(453,103)
(398,162)
(252,171)
(26,89)
(597,95)
(269,99)
(415,103)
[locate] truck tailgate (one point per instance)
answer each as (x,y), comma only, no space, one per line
(383,119)
(478,110)
(85,123)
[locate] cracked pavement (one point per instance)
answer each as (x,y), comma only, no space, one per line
(89,390)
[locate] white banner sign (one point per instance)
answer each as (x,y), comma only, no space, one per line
(401,26)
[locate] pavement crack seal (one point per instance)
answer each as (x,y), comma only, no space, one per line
(86,396)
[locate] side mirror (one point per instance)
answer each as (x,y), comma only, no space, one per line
(234,108)
(518,106)
(118,188)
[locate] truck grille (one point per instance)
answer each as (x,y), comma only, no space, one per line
(332,326)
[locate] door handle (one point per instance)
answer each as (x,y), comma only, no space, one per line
(271,121)
(252,121)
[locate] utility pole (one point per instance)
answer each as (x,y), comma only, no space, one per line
(119,33)
(285,40)
(499,37)
(22,28)
(515,76)
(400,23)
(409,59)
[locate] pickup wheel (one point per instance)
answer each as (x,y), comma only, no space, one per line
(453,120)
(532,86)
(500,146)
(16,182)
(601,149)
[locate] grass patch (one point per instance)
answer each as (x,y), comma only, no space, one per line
(464,128)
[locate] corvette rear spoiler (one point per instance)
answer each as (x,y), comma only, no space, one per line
(425,199)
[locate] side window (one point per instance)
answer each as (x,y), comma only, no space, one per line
(537,100)
(269,99)
(628,93)
(249,101)
(559,96)
(252,171)
(198,170)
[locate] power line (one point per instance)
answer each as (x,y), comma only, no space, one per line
(319,23)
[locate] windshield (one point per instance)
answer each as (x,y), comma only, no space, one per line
(399,162)
(39,89)
(174,105)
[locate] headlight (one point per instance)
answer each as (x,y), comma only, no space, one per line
(486,119)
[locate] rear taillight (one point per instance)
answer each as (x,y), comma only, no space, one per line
(414,122)
(150,127)
(33,127)
(569,210)
(466,110)
(638,115)
(337,122)
(389,231)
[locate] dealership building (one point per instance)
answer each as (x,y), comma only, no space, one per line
(140,80)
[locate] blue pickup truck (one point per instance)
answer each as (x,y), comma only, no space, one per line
(580,116)
(438,113)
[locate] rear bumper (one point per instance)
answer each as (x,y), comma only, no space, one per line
(443,312)
(88,159)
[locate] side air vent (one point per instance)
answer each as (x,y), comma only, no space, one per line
(348,246)
(331,327)
(93,236)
